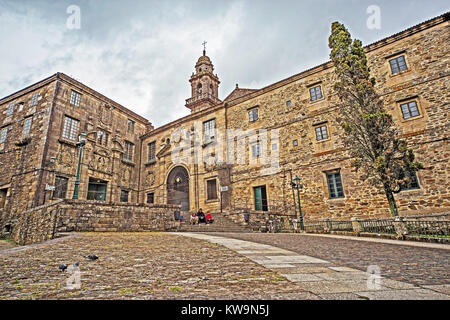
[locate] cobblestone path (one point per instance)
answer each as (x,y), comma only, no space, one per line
(139,266)
(422,268)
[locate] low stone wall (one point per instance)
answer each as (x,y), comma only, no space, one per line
(42,223)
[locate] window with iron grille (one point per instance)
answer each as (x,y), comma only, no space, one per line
(209,130)
(11,109)
(102,138)
(334,182)
(34,99)
(410,110)
(75,98)
(398,64)
(124,195)
(27,126)
(3,135)
(60,187)
(129,151)
(130,126)
(253,115)
(315,93)
(70,128)
(211,189)
(151,198)
(321,133)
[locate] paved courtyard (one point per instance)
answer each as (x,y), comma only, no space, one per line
(223,266)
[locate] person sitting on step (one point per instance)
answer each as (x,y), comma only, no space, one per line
(201,216)
(209,218)
(194,219)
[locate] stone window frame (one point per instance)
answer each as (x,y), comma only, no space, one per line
(56,194)
(321,125)
(394,56)
(27,125)
(128,154)
(209,130)
(130,126)
(11,108)
(122,198)
(415,186)
(69,131)
(408,100)
(253,114)
(75,98)
(255,146)
(3,135)
(34,99)
(328,174)
(207,189)
(151,151)
(148,197)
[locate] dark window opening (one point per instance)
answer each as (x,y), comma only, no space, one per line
(260,198)
(60,188)
(335,187)
(398,64)
(97,190)
(211,189)
(151,198)
(124,195)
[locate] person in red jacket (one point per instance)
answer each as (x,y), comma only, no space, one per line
(209,218)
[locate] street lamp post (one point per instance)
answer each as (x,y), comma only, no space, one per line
(81,143)
(298,186)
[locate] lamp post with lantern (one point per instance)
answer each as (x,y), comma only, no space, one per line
(81,143)
(296,184)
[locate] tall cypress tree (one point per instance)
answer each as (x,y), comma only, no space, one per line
(380,155)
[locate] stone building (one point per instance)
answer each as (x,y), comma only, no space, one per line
(239,153)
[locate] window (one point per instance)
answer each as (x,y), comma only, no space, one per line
(398,64)
(321,133)
(209,130)
(413,184)
(211,189)
(27,126)
(3,135)
(409,110)
(315,93)
(260,198)
(3,195)
(129,151)
(75,98)
(151,151)
(130,126)
(11,109)
(256,150)
(34,99)
(124,196)
(97,190)
(151,198)
(102,138)
(334,182)
(20,106)
(288,103)
(60,188)
(295,143)
(70,128)
(253,115)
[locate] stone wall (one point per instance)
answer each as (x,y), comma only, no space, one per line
(263,221)
(44,222)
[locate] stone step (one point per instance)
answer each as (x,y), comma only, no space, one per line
(221,224)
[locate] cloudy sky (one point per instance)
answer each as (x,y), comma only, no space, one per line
(142,53)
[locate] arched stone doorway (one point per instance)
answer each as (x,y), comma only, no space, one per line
(178,188)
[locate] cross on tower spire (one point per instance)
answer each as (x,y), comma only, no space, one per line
(204,47)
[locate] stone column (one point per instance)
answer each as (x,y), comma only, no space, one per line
(357,227)
(400,227)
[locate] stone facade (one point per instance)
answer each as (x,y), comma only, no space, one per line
(239,154)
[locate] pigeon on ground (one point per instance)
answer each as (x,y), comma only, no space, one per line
(62,267)
(92,257)
(76,264)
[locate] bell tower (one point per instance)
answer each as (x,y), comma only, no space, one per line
(204,85)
